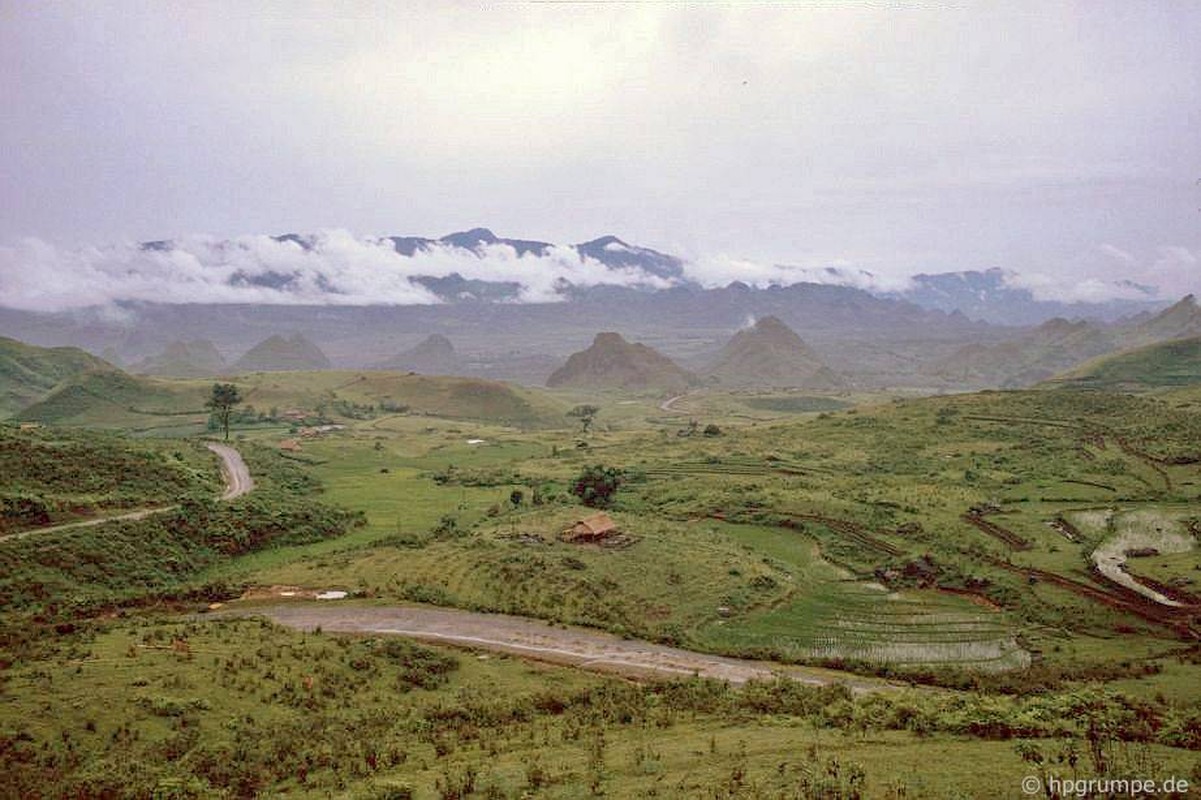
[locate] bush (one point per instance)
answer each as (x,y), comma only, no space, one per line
(596,485)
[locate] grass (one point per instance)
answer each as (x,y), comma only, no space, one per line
(894,478)
(59,476)
(1171,363)
(836,537)
(169,407)
(795,404)
(28,373)
(65,574)
(193,708)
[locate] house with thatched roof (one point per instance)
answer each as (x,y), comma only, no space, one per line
(290,445)
(590,529)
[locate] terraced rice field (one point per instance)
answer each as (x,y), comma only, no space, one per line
(861,622)
(731,465)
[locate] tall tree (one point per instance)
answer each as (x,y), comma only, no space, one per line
(222,401)
(585,414)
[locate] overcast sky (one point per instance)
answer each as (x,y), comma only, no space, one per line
(1059,140)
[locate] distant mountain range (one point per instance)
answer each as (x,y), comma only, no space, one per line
(876,342)
(1149,351)
(929,336)
(435,265)
(627,264)
(608,250)
(1059,345)
(996,296)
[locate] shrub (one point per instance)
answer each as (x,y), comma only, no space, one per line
(596,485)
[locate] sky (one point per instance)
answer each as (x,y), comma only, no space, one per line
(1058,140)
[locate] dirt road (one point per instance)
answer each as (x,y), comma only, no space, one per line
(535,639)
(233,470)
(667,404)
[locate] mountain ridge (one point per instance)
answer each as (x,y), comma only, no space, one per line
(280,354)
(611,362)
(198,358)
(433,355)
(995,295)
(771,354)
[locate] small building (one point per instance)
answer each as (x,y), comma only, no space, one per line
(590,529)
(291,445)
(30,426)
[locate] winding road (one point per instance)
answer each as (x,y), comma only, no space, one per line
(667,404)
(585,648)
(233,470)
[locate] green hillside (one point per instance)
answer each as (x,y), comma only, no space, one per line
(28,373)
(161,406)
(372,393)
(1048,350)
(55,475)
(196,359)
(1164,364)
(279,353)
(125,559)
(111,398)
(613,363)
(769,353)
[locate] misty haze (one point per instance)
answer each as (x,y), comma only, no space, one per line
(628,400)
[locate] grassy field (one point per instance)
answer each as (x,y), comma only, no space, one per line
(163,407)
(771,538)
(235,708)
(945,541)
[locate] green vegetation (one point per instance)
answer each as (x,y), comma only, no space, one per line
(60,475)
(789,403)
(113,399)
(64,575)
(586,414)
(597,485)
(28,373)
(222,401)
(1172,363)
(944,541)
(162,407)
(156,708)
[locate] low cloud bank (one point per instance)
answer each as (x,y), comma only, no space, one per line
(1168,272)
(335,268)
(721,271)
